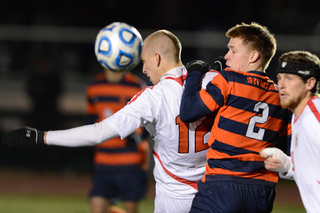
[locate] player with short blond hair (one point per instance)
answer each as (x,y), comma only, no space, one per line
(179,148)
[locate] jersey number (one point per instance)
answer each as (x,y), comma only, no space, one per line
(199,133)
(258,119)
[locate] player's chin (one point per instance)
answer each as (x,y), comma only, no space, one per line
(285,102)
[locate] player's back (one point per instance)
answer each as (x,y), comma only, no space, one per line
(250,119)
(179,148)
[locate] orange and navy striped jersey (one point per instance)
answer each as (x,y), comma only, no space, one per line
(104,99)
(249,118)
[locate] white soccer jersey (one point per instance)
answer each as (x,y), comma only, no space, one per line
(305,155)
(179,149)
(179,158)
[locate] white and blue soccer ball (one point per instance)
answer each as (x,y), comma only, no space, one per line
(118,47)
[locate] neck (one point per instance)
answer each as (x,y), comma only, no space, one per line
(170,66)
(297,111)
(255,67)
(113,77)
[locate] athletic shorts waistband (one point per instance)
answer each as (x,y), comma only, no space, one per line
(239,180)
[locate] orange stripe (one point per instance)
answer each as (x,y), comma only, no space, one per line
(285,130)
(180,79)
(241,157)
(193,184)
(113,89)
(243,90)
(118,158)
(238,141)
(259,175)
(243,116)
(207,98)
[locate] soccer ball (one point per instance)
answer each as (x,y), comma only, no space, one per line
(118,47)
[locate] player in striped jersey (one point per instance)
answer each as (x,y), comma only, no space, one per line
(298,76)
(249,118)
(116,159)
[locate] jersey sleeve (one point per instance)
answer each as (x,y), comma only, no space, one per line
(192,107)
(216,92)
(139,112)
(207,78)
(88,135)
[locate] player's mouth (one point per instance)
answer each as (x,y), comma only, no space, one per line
(283,95)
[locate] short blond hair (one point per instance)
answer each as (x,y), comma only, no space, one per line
(176,47)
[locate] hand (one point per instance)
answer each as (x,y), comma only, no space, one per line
(23,136)
(198,65)
(219,64)
(276,160)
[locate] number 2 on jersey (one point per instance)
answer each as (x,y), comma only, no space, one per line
(258,119)
(199,133)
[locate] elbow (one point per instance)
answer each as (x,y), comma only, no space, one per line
(186,118)
(187,115)
(191,113)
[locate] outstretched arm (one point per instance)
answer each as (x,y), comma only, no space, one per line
(88,135)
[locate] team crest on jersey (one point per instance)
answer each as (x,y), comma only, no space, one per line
(296,140)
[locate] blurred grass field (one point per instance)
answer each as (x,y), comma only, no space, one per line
(53,204)
(28,192)
(78,204)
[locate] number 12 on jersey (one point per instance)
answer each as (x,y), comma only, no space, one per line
(193,133)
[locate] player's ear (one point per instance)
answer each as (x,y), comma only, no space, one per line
(158,59)
(255,56)
(311,82)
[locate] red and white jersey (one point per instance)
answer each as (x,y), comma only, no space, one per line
(305,155)
(179,148)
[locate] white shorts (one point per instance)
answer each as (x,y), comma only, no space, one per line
(166,204)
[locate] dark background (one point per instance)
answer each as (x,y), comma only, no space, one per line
(63,49)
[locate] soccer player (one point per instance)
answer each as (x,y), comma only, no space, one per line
(298,76)
(249,118)
(179,148)
(116,159)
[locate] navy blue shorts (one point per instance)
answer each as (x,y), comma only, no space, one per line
(126,186)
(233,196)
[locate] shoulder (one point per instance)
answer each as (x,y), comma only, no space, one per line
(228,75)
(145,94)
(314,108)
(157,93)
